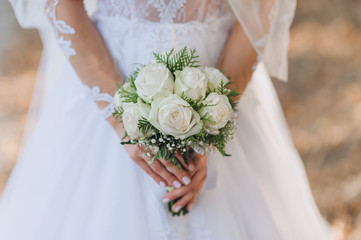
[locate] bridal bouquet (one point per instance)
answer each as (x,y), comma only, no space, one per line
(173,105)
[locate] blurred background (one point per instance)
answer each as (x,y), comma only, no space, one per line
(321,101)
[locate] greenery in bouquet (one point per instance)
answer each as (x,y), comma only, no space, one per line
(173,105)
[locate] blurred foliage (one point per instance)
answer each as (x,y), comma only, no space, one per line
(322,103)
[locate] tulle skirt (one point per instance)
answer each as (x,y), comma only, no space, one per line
(75,181)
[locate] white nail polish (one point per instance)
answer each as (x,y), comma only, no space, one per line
(162,184)
(176,209)
(165,200)
(186,180)
(177,184)
(190,207)
(191,167)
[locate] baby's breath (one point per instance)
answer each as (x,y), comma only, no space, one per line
(159,145)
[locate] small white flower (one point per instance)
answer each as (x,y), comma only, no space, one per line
(153,140)
(198,150)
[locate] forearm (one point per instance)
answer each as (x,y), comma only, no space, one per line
(238,58)
(88,53)
(92,61)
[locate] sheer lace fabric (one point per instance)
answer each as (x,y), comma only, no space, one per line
(76,35)
(266,22)
(165,11)
(178,11)
(61,29)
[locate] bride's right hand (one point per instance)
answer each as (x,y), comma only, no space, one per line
(163,172)
(187,195)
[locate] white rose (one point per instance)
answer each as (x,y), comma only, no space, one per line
(192,82)
(174,116)
(219,111)
(118,100)
(214,77)
(154,81)
(133,112)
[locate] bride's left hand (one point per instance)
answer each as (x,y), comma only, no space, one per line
(189,193)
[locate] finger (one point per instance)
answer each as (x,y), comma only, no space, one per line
(190,167)
(181,174)
(191,202)
(142,164)
(197,182)
(159,169)
(182,202)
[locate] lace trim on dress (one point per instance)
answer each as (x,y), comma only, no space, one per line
(60,26)
(164,11)
(95,93)
(167,12)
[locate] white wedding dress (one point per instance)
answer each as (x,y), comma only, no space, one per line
(74,180)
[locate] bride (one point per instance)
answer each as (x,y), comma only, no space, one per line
(75,181)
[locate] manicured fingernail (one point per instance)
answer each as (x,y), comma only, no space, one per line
(177,184)
(176,209)
(191,167)
(190,207)
(162,184)
(186,180)
(165,200)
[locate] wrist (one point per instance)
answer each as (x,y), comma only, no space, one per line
(117,126)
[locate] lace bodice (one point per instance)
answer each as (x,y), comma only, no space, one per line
(133,11)
(165,11)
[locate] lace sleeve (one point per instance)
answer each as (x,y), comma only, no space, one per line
(85,49)
(61,29)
